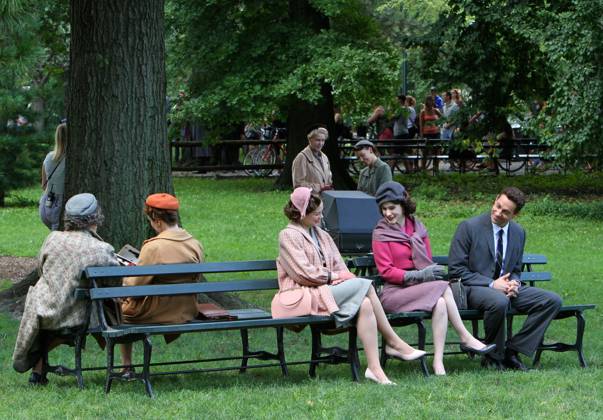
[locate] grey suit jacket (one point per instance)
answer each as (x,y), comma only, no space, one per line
(472,253)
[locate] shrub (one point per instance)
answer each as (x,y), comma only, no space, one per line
(21,157)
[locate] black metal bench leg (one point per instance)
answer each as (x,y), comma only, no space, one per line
(78,360)
(580,326)
(110,360)
(146,369)
(475,328)
(536,361)
(509,327)
(422,339)
(281,349)
(44,348)
(383,356)
(245,342)
(316,344)
(353,353)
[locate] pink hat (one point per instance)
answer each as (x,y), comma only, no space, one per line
(300,198)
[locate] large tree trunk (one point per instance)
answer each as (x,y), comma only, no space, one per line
(302,114)
(116,110)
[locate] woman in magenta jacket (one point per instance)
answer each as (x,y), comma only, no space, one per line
(413,281)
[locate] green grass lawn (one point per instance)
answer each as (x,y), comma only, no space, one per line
(240,219)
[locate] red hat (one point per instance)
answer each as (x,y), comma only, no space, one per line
(162,201)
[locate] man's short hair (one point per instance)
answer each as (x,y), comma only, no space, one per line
(515,195)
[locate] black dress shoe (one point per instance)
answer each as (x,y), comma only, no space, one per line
(512,361)
(490,362)
(36,379)
(480,352)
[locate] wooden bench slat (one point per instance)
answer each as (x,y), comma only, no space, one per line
(182,289)
(129,329)
(527,276)
(180,269)
(368,261)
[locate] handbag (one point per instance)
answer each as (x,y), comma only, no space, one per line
(459,292)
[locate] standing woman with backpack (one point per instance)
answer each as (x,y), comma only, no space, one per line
(53,180)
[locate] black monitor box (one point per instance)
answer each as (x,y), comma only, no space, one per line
(350,217)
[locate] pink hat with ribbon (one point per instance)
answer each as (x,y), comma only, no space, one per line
(300,198)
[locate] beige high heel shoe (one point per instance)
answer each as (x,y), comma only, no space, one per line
(414,355)
(368,374)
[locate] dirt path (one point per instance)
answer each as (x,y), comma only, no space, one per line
(15,268)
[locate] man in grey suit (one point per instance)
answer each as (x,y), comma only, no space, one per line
(486,254)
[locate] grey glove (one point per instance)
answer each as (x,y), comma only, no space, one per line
(430,273)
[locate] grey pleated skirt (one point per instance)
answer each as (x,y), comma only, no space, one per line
(349,296)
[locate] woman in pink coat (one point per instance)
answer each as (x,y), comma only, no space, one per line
(414,282)
(314,280)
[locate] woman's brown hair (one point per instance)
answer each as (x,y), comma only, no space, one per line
(170,217)
(293,213)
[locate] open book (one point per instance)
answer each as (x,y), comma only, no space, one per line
(128,255)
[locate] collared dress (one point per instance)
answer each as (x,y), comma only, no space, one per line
(51,303)
(372,177)
(310,171)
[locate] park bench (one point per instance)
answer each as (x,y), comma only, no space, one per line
(246,318)
(521,152)
(365,267)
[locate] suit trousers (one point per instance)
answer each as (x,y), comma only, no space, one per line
(540,305)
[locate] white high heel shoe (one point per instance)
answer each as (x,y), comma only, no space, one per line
(414,355)
(368,374)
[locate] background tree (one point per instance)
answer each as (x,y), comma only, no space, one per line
(116,105)
(246,61)
(33,58)
(510,54)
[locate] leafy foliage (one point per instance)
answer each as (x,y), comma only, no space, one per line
(244,60)
(33,57)
(573,120)
(20,159)
(510,54)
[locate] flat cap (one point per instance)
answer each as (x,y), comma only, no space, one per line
(390,191)
(364,143)
(80,205)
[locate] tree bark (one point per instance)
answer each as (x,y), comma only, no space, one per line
(116,110)
(302,114)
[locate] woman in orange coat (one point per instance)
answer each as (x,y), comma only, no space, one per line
(172,245)
(314,280)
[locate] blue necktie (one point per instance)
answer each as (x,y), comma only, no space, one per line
(499,254)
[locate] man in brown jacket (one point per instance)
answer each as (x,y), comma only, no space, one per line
(311,167)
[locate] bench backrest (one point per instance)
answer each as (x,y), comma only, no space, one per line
(365,266)
(103,273)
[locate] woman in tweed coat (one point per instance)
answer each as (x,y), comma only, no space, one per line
(51,304)
(313,280)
